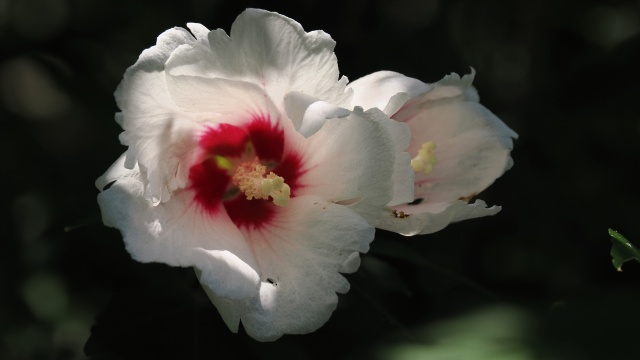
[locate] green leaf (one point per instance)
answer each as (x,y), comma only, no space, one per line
(622,250)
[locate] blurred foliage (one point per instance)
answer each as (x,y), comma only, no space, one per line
(533,282)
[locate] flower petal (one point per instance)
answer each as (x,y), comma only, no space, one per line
(471,148)
(432,217)
(473,145)
(309,113)
(269,50)
(231,101)
(351,162)
(198,30)
(179,234)
(116,171)
(385,90)
(300,259)
(157,134)
(403,174)
(205,116)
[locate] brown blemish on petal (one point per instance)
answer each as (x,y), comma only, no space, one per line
(399,214)
(467,198)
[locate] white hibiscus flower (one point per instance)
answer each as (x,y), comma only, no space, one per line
(243,163)
(458,147)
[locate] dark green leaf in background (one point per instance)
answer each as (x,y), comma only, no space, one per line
(622,250)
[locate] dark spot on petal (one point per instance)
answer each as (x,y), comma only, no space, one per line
(416,201)
(272,282)
(106,187)
(399,214)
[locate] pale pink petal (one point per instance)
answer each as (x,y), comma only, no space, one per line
(427,218)
(299,260)
(472,150)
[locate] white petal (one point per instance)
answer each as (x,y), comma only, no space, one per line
(300,259)
(385,90)
(198,30)
(309,113)
(351,162)
(403,174)
(403,180)
(116,171)
(269,50)
(159,136)
(432,217)
(228,308)
(231,101)
(142,90)
(163,146)
(178,233)
(351,264)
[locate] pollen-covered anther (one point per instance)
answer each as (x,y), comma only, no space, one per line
(426,159)
(250,178)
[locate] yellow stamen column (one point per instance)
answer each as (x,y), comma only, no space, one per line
(250,178)
(426,159)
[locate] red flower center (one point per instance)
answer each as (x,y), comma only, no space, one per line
(228,149)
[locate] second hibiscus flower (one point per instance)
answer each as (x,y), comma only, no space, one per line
(458,147)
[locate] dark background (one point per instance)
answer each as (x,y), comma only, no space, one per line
(533,282)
